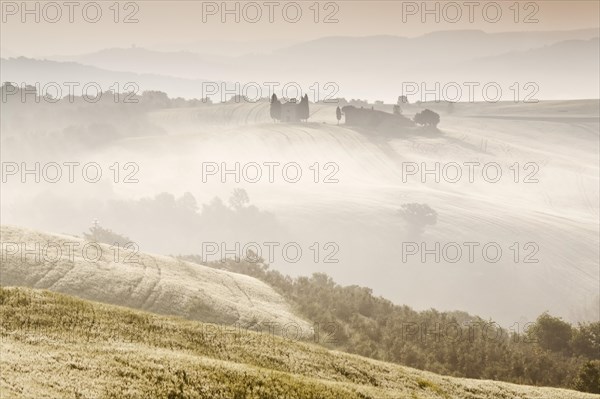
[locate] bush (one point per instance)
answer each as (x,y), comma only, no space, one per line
(106,236)
(551,333)
(418,216)
(427,118)
(588,379)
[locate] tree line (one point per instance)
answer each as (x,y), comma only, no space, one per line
(550,352)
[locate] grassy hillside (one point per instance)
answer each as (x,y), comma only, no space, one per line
(54,346)
(549,352)
(126,277)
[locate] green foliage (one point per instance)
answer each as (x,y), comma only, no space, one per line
(551,333)
(239,199)
(275,108)
(588,379)
(453,343)
(585,340)
(427,118)
(304,107)
(106,236)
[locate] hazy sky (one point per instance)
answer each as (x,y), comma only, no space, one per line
(165,22)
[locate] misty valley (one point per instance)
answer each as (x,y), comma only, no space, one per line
(290,200)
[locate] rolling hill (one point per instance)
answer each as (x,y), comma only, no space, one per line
(102,351)
(125,277)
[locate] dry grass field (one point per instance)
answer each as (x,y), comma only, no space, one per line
(58,346)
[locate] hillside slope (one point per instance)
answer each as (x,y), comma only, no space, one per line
(102,351)
(159,284)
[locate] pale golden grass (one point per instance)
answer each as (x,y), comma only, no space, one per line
(159,284)
(56,346)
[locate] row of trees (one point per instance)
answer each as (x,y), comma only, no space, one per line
(426,117)
(300,110)
(149,99)
(550,352)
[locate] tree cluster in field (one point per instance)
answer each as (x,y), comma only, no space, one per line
(179,223)
(149,99)
(301,110)
(98,233)
(74,123)
(427,118)
(372,118)
(551,352)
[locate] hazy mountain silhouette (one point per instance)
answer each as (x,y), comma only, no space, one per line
(443,46)
(183,64)
(386,61)
(225,47)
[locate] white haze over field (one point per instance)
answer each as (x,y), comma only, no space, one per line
(359,214)
(544,125)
